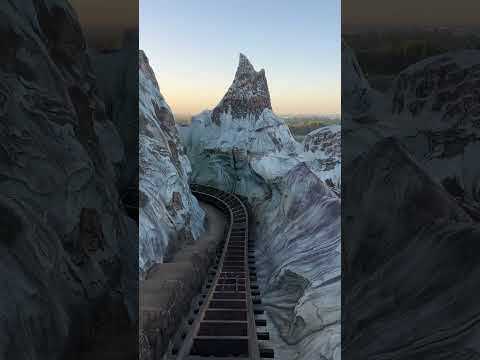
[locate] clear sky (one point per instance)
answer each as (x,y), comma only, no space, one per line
(193,47)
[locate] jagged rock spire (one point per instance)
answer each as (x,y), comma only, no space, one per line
(248,94)
(245,67)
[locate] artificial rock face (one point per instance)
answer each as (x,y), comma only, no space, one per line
(169,213)
(322,148)
(223,144)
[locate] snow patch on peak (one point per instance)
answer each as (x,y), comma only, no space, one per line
(322,153)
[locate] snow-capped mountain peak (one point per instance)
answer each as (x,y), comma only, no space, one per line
(248,94)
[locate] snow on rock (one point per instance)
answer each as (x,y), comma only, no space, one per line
(67,242)
(242,146)
(323,147)
(169,214)
(224,144)
(298,265)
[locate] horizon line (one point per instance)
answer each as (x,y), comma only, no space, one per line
(279,114)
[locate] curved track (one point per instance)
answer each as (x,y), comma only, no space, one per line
(227,322)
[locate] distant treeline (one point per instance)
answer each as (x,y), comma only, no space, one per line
(183,119)
(298,124)
(302,126)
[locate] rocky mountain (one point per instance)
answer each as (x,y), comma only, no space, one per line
(169,214)
(248,95)
(243,119)
(243,147)
(66,264)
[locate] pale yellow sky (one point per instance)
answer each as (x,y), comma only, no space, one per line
(186,99)
(190,93)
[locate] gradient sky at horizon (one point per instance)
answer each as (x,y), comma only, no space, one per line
(193,47)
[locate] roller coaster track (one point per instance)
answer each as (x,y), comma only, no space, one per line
(226,321)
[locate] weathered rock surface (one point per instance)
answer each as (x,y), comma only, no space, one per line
(298,261)
(323,148)
(169,213)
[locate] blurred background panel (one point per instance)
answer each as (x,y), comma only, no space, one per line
(378,13)
(411,189)
(105,22)
(69,180)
